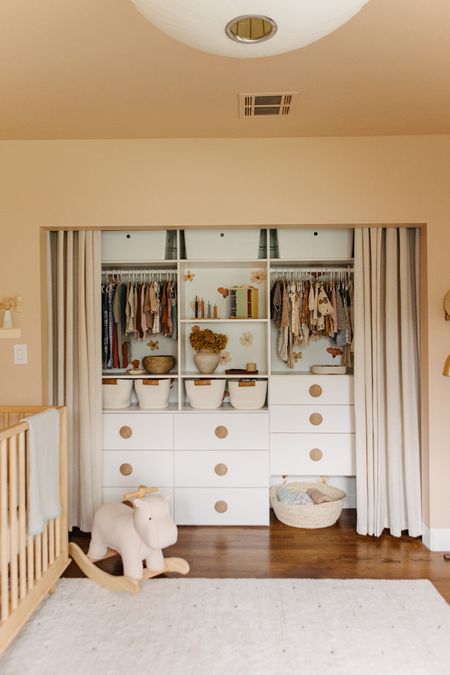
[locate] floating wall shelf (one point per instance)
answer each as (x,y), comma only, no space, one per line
(10,332)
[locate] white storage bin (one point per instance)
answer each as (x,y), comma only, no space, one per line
(225,244)
(315,244)
(116,393)
(153,393)
(133,246)
(205,394)
(247,394)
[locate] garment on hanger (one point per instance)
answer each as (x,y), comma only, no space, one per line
(136,309)
(308,307)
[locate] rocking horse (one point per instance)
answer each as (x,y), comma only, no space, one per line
(136,530)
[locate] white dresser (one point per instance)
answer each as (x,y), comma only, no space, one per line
(216,465)
(312,427)
(137,449)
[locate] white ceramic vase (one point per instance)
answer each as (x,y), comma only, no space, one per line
(206,361)
(7,319)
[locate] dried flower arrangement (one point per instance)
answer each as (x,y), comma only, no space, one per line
(8,303)
(207,340)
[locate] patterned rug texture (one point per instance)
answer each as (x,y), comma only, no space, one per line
(237,627)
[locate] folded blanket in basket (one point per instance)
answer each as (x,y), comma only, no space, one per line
(318,497)
(287,496)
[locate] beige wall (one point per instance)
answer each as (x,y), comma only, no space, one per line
(230,182)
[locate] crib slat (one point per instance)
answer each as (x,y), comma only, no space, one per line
(22,519)
(45,548)
(38,555)
(4,553)
(30,562)
(57,537)
(13,523)
(51,541)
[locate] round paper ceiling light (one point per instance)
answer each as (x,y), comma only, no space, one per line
(248,28)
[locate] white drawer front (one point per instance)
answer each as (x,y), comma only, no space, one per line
(239,431)
(312,418)
(325,389)
(116,494)
(128,431)
(222,468)
(137,467)
(312,454)
(222,506)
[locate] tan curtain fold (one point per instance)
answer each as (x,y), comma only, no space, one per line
(387,381)
(76,302)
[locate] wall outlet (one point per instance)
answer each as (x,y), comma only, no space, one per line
(20,355)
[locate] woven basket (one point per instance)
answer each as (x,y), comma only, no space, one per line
(309,516)
(159,364)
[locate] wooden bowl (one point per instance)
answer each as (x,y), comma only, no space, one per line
(158,365)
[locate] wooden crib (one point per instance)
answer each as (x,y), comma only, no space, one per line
(30,566)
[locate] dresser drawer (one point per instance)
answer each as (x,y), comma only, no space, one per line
(215,431)
(137,431)
(137,467)
(312,454)
(230,468)
(222,506)
(325,389)
(312,418)
(117,494)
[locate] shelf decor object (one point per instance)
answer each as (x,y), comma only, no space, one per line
(248,28)
(207,346)
(160,364)
(8,305)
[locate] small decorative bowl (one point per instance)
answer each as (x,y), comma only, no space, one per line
(158,365)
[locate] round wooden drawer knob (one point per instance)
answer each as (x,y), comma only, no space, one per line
(221,506)
(126,469)
(126,432)
(221,469)
(315,390)
(316,419)
(221,432)
(316,454)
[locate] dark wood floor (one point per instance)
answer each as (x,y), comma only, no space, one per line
(281,551)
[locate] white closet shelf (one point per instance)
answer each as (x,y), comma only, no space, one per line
(147,376)
(224,264)
(141,263)
(135,409)
(224,408)
(215,376)
(224,320)
(307,262)
(309,373)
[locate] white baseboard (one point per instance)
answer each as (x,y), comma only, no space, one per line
(436,538)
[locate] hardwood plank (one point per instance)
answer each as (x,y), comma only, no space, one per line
(277,551)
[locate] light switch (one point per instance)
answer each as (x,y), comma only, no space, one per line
(20,355)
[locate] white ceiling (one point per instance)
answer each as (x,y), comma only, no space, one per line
(99,69)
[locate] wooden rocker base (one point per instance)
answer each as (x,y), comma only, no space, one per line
(121,583)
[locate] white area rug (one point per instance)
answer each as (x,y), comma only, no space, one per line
(237,626)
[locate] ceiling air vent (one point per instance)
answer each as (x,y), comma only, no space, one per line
(263,105)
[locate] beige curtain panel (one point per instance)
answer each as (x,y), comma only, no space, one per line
(75,362)
(388,490)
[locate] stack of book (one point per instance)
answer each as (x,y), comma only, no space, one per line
(243,302)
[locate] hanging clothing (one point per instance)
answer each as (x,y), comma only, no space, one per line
(135,309)
(312,308)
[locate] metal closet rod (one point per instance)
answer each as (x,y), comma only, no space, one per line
(120,271)
(308,270)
